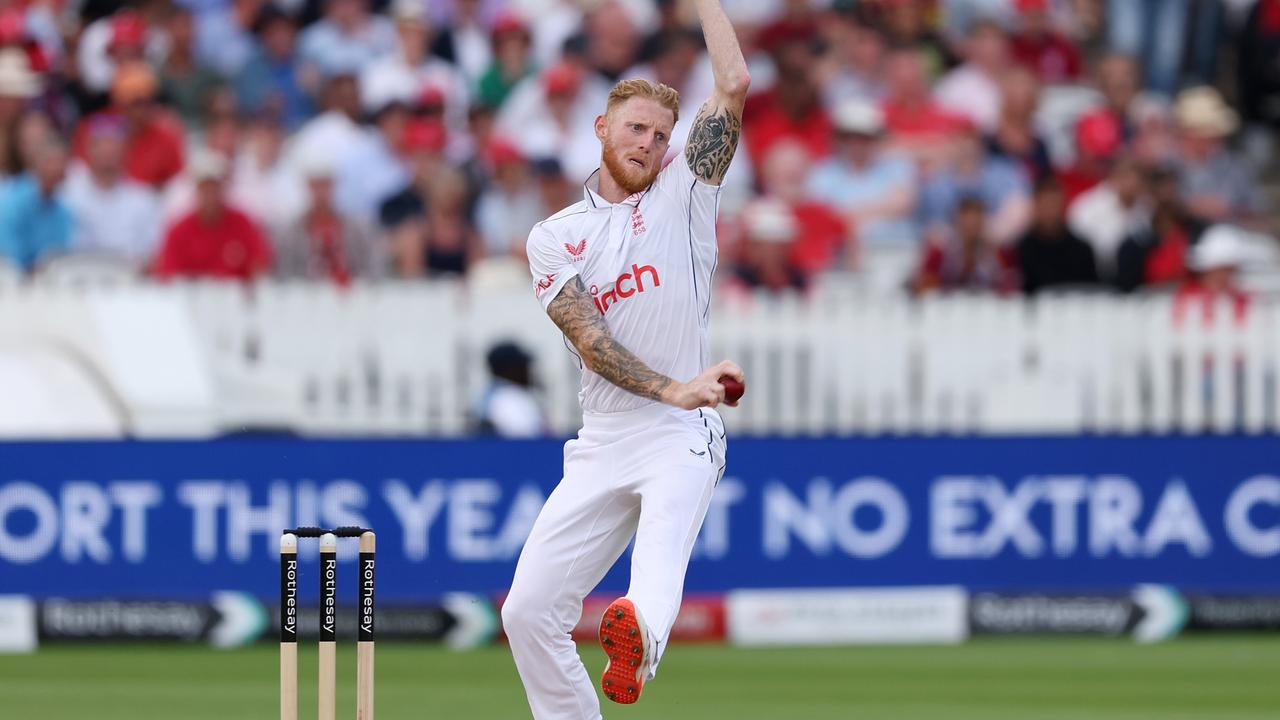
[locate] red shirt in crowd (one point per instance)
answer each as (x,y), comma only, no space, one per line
(1051,57)
(153,153)
(821,235)
(230,246)
(1077,180)
(927,121)
(764,123)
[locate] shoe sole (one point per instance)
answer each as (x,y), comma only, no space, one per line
(622,640)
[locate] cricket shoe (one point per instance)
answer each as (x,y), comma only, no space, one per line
(625,639)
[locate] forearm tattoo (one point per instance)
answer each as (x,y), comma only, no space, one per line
(577,317)
(712,142)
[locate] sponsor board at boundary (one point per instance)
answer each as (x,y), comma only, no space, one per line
(182,520)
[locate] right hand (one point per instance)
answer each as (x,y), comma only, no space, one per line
(704,390)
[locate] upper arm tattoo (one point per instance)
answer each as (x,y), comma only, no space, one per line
(574,312)
(712,142)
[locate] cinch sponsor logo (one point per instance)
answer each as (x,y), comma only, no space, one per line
(625,286)
(541,285)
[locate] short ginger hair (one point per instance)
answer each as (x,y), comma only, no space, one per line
(665,95)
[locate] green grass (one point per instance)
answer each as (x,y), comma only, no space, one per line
(1221,677)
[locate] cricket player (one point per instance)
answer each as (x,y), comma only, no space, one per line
(626,275)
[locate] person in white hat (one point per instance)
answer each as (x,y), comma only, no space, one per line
(1215,262)
(768,234)
(325,244)
(406,72)
(215,240)
(1217,185)
(874,188)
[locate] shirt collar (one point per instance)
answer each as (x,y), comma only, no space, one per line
(591,193)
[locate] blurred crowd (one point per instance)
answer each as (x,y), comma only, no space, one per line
(921,145)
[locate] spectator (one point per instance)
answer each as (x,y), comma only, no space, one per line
(1257,72)
(270,81)
(335,131)
(1097,142)
(1215,262)
(179,195)
(325,244)
(822,236)
(971,173)
(1052,56)
(553,115)
(31,131)
(224,39)
(185,82)
(107,43)
(452,242)
(916,123)
(510,204)
(1156,256)
(115,215)
(907,27)
(854,68)
(1119,80)
(874,189)
(964,258)
(346,40)
(262,184)
(764,260)
(374,168)
(407,72)
(1049,254)
(35,221)
(554,189)
(18,85)
(154,143)
(973,89)
(512,61)
(1155,140)
(1107,214)
(466,41)
(1015,137)
(612,39)
(1153,31)
(1217,185)
(423,143)
(508,407)
(792,108)
(214,240)
(403,216)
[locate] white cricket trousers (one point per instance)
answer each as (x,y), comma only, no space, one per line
(647,473)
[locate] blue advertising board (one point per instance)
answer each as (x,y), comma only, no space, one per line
(183,519)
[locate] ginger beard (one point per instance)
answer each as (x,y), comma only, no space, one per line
(629,177)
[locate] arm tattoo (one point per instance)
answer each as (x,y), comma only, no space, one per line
(576,315)
(712,141)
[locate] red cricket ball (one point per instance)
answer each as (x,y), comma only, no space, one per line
(733,390)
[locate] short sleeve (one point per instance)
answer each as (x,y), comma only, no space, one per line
(678,180)
(550,264)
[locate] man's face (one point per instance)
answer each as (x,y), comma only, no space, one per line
(209,195)
(51,166)
(635,136)
(1118,80)
(106,154)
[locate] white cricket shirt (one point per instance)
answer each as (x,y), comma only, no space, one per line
(648,262)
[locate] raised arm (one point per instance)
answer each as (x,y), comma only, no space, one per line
(713,138)
(577,317)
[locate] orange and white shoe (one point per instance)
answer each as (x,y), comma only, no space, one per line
(625,639)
